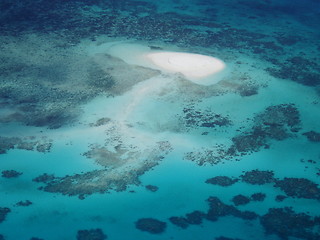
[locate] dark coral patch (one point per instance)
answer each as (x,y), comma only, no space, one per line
(299,187)
(92,234)
(286,223)
(312,136)
(151,225)
(258,197)
(193,118)
(240,200)
(3,213)
(223,181)
(11,174)
(277,122)
(44,178)
(8,143)
(24,203)
(219,209)
(257,177)
(179,221)
(280,198)
(152,188)
(226,238)
(297,69)
(195,217)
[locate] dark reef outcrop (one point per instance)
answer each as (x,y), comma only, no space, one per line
(276,122)
(92,234)
(312,136)
(222,181)
(257,177)
(151,225)
(44,178)
(240,200)
(11,174)
(3,213)
(152,188)
(259,197)
(285,223)
(25,203)
(226,238)
(29,143)
(195,118)
(299,188)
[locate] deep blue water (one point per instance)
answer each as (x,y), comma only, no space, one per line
(96,142)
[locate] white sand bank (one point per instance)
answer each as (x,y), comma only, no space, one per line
(194,67)
(200,69)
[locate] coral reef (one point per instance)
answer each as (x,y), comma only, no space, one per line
(122,168)
(193,118)
(195,217)
(299,187)
(179,221)
(280,198)
(7,143)
(257,177)
(100,122)
(258,197)
(216,210)
(3,213)
(276,122)
(226,238)
(10,174)
(25,203)
(222,181)
(151,225)
(219,209)
(286,223)
(44,178)
(240,200)
(312,136)
(152,188)
(92,234)
(297,69)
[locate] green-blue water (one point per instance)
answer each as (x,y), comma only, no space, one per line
(97,142)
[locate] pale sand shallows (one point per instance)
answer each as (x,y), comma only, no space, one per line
(194,67)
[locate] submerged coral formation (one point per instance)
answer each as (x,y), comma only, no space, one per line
(92,234)
(151,225)
(277,122)
(258,177)
(25,203)
(10,174)
(216,210)
(240,200)
(3,213)
(29,143)
(286,223)
(312,136)
(223,181)
(258,197)
(152,188)
(193,118)
(299,187)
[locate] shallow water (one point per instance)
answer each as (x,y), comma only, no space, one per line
(94,137)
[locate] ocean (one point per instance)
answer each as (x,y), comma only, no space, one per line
(146,120)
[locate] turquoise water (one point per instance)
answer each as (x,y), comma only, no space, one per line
(97,142)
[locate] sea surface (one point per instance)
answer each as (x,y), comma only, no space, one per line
(96,142)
